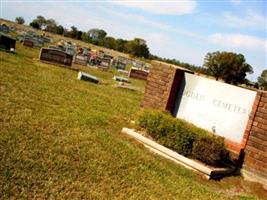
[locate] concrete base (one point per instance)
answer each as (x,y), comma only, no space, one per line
(250,176)
(208,171)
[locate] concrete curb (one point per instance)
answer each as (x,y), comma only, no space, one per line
(209,172)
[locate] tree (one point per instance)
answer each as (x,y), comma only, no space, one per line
(97,34)
(20,20)
(108,42)
(85,37)
(138,47)
(39,22)
(51,25)
(60,30)
(121,45)
(229,66)
(35,25)
(73,32)
(262,79)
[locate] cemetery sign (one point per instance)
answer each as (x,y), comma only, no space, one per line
(218,107)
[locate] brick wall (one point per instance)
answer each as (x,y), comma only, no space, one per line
(162,86)
(161,91)
(236,148)
(255,160)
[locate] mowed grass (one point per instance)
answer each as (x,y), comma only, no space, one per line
(60,139)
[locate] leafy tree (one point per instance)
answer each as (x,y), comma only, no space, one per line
(229,66)
(85,37)
(121,45)
(79,35)
(138,47)
(35,25)
(20,20)
(262,79)
(97,34)
(60,30)
(51,26)
(41,21)
(109,42)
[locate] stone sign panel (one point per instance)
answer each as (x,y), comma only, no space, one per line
(218,107)
(56,56)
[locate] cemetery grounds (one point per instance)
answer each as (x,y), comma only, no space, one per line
(60,139)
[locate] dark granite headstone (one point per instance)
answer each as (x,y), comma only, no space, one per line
(56,56)
(7,43)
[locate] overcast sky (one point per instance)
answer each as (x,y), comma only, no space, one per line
(184,30)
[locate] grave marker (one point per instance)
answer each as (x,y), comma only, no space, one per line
(81,60)
(87,77)
(138,74)
(55,56)
(7,43)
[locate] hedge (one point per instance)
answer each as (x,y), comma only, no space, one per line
(183,137)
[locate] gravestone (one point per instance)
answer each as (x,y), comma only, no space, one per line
(121,79)
(70,50)
(123,71)
(87,77)
(28,43)
(7,43)
(55,56)
(119,65)
(81,60)
(4,28)
(104,64)
(138,73)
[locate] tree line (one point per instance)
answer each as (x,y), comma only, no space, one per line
(228,66)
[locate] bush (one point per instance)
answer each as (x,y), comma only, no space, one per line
(183,137)
(210,150)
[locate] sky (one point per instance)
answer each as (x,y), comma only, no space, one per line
(180,29)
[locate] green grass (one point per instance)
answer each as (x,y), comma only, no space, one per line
(60,139)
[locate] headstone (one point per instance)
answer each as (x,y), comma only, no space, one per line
(81,60)
(55,56)
(7,43)
(121,79)
(119,65)
(127,86)
(55,47)
(70,50)
(138,74)
(123,71)
(4,28)
(28,43)
(87,77)
(104,64)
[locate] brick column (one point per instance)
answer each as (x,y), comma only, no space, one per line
(162,86)
(255,161)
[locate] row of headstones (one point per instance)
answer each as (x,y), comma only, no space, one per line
(31,39)
(61,56)
(83,57)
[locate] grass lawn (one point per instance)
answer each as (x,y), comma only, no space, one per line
(60,139)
